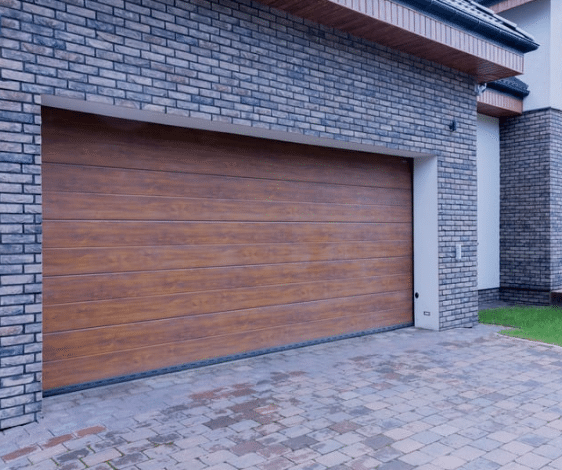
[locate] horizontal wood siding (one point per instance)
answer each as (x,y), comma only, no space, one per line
(164,246)
(508,5)
(493,103)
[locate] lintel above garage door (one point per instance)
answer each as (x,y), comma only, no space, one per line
(180,120)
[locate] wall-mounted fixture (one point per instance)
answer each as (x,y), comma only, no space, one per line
(458,252)
(453,125)
(479,89)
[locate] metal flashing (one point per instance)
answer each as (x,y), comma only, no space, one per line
(472,17)
(511,86)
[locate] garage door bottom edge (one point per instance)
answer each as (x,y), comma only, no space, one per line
(217,360)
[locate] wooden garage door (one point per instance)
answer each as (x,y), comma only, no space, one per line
(164,246)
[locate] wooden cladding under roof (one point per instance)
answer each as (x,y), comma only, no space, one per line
(493,103)
(508,5)
(407,30)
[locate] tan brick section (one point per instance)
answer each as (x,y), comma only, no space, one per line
(51,443)
(19,453)
(88,431)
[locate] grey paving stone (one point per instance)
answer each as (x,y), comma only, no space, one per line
(201,419)
(549,451)
(71,456)
(77,466)
(333,459)
(468,453)
(449,462)
(378,442)
(128,460)
(395,465)
(417,458)
(500,456)
(387,454)
(481,464)
(486,444)
(426,437)
(299,442)
(532,460)
(533,440)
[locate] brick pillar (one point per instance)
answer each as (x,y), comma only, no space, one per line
(20,257)
(531,206)
(555,129)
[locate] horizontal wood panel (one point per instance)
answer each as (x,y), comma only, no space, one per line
(75,178)
(122,311)
(94,341)
(84,369)
(89,206)
(88,140)
(65,261)
(494,103)
(69,289)
(73,234)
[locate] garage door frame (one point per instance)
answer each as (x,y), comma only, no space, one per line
(426,312)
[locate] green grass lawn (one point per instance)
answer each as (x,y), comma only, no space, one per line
(534,323)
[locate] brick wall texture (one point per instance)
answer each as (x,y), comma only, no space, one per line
(488,295)
(531,206)
(233,61)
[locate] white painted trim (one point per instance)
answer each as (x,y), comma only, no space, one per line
(488,172)
(426,243)
(426,276)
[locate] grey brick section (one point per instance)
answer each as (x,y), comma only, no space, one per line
(233,61)
(531,206)
(555,127)
(20,247)
(488,295)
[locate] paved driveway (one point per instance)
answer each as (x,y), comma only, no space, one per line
(463,398)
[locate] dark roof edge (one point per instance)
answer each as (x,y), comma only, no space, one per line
(516,39)
(488,3)
(511,86)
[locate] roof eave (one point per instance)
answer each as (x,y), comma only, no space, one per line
(510,86)
(496,104)
(516,40)
(411,30)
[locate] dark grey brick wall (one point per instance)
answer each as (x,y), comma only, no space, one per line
(531,206)
(233,61)
(20,247)
(488,295)
(524,296)
(555,127)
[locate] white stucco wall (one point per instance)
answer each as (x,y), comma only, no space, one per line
(426,244)
(556,54)
(543,67)
(488,168)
